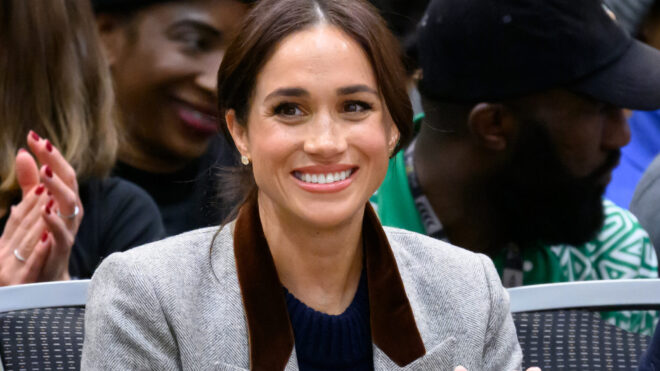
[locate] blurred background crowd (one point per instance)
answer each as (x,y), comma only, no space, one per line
(525,148)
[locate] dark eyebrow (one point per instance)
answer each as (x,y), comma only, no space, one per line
(200,26)
(355,89)
(288,92)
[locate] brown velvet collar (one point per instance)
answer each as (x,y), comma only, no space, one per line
(393,327)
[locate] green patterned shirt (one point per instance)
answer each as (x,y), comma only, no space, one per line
(622,248)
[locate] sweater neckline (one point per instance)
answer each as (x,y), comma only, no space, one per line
(326,341)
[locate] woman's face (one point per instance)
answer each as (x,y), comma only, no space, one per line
(318,132)
(165,68)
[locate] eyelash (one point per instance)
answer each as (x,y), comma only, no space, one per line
(364,105)
(279,109)
(193,41)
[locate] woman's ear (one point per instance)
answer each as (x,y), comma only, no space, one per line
(238,132)
(492,125)
(394,139)
(113,36)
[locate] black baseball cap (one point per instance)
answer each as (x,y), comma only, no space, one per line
(489,50)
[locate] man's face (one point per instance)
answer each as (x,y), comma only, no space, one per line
(165,74)
(551,188)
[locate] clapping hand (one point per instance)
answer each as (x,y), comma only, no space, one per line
(40,232)
(64,216)
(24,244)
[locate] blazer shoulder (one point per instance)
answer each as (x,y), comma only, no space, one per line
(425,261)
(186,251)
(412,246)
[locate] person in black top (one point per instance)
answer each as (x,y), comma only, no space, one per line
(59,220)
(164,56)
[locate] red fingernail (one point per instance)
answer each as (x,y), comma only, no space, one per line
(44,236)
(40,189)
(22,150)
(47,210)
(34,135)
(50,204)
(49,172)
(49,147)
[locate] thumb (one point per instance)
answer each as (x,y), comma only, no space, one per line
(27,172)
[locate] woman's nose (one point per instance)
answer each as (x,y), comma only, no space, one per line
(326,138)
(207,72)
(206,81)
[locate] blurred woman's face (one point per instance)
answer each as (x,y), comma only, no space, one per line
(318,132)
(165,72)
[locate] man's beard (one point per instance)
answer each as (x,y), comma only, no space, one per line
(534,198)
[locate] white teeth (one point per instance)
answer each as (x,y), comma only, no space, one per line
(324,178)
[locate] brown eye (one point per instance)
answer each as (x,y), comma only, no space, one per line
(193,39)
(356,106)
(288,109)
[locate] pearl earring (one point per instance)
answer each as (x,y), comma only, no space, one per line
(245,160)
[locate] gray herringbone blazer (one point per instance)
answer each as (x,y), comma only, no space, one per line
(176,304)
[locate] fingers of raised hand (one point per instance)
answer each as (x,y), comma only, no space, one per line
(47,154)
(66,199)
(25,214)
(27,171)
(56,264)
(62,236)
(22,261)
(25,243)
(31,271)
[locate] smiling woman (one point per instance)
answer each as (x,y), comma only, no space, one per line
(164,56)
(313,95)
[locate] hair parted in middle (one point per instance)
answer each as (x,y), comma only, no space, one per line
(271,21)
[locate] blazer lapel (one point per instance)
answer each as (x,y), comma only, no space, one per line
(393,327)
(440,357)
(270,335)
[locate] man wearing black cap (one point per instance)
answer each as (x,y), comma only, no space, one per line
(164,56)
(524,122)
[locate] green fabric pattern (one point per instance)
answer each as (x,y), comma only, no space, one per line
(622,249)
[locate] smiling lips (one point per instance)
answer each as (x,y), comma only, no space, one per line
(204,123)
(324,179)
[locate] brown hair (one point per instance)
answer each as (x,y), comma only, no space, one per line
(269,22)
(55,81)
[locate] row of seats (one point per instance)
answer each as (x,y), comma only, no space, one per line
(42,325)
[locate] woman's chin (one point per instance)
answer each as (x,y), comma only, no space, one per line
(325,218)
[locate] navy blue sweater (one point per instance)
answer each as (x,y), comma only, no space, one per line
(327,342)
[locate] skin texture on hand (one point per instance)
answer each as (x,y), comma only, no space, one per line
(25,228)
(60,180)
(34,230)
